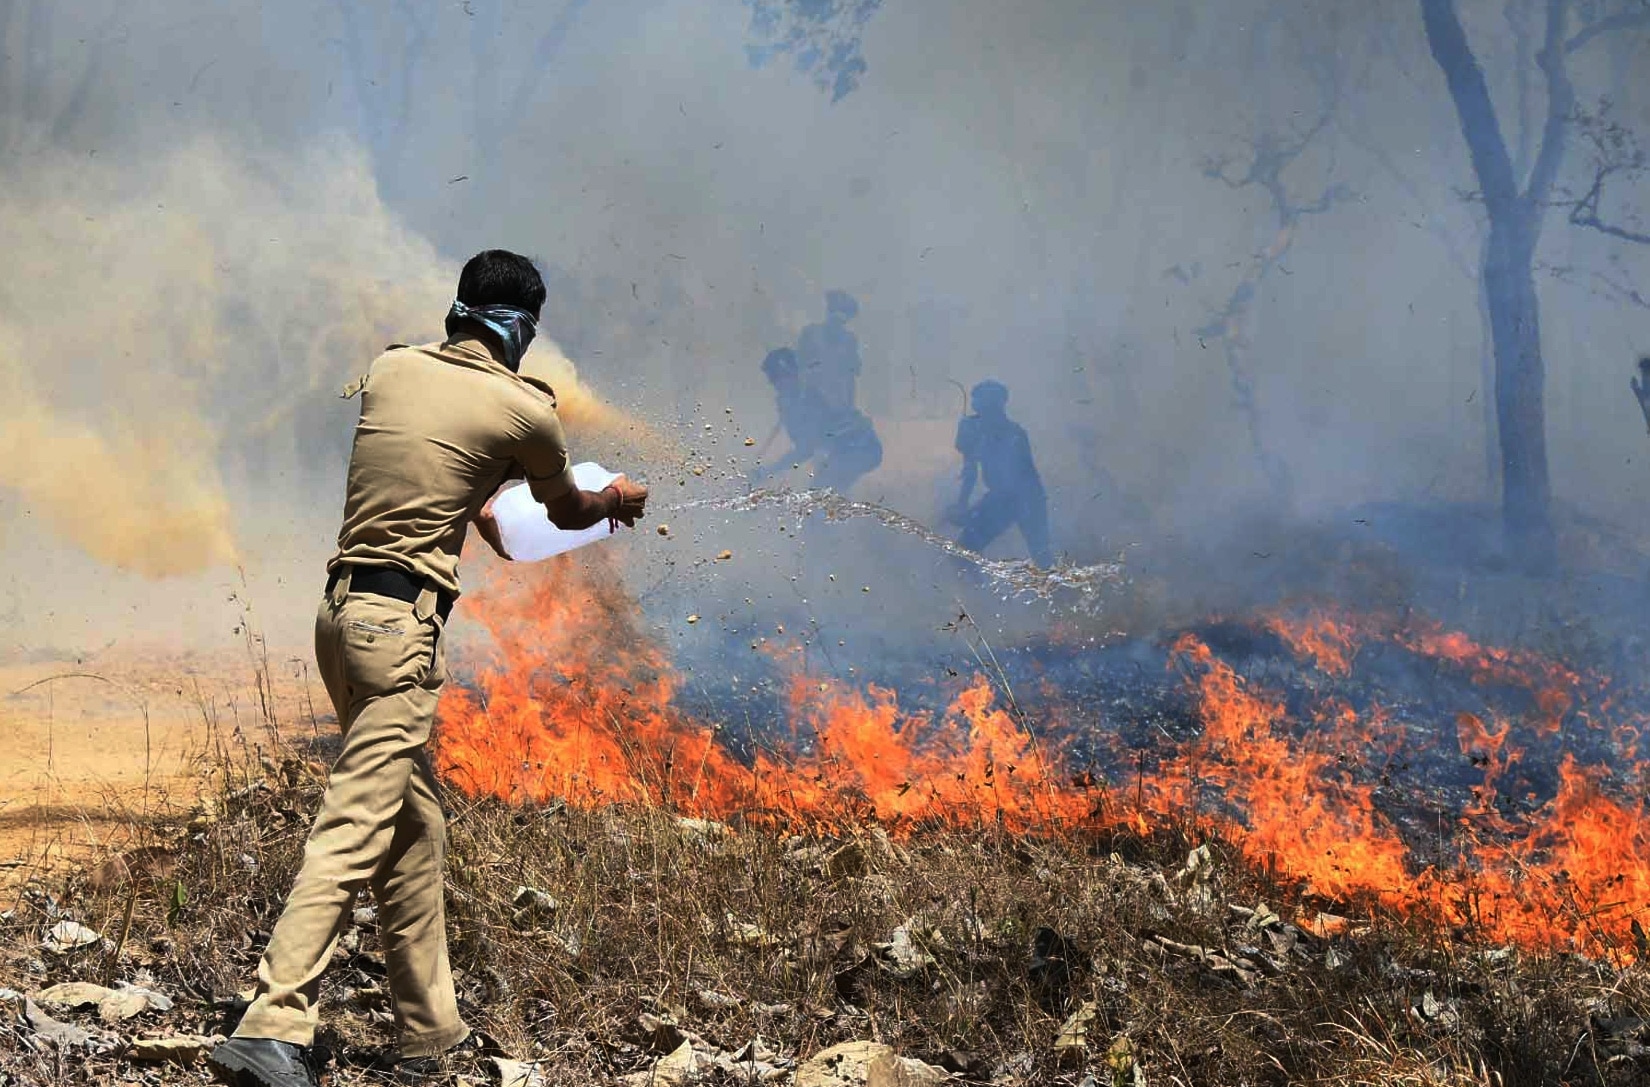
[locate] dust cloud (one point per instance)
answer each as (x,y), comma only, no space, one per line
(130,500)
(174,338)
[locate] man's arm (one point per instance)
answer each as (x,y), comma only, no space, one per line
(487,528)
(799,422)
(620,501)
(545,462)
(542,458)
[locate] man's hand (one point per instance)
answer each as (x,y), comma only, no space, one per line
(631,503)
(487,528)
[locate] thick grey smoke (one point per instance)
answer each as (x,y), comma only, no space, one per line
(1048,193)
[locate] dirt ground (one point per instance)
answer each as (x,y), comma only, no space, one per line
(91,749)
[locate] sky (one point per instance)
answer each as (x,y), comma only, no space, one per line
(216,214)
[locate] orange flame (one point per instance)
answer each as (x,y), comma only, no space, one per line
(1329,643)
(1299,811)
(576,703)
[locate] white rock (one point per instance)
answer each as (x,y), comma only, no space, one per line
(122,1005)
(518,1073)
(66,936)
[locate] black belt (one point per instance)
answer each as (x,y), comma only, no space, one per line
(390,582)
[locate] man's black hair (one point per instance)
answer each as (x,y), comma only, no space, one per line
(842,302)
(498,277)
(989,394)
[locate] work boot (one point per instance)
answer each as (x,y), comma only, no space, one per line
(460,1059)
(265,1062)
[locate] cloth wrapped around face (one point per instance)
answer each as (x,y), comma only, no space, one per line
(514,328)
(526,530)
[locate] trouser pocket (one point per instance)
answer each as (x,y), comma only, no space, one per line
(384,647)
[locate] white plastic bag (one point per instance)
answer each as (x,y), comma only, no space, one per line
(528,534)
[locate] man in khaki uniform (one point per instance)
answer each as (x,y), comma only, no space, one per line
(442,427)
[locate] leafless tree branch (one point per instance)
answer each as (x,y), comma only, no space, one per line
(1616,154)
(1270,159)
(1624,20)
(1626,292)
(544,55)
(1561,101)
(1584,213)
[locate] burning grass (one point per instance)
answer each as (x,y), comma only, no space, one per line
(577,703)
(1006,957)
(1244,899)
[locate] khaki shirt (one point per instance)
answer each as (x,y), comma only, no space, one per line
(442,426)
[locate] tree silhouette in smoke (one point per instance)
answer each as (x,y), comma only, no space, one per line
(1274,161)
(821,36)
(1620,164)
(1271,157)
(1516,201)
(404,63)
(44,93)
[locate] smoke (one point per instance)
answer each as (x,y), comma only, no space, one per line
(1023,192)
(142,502)
(150,313)
(88,330)
(174,335)
(585,413)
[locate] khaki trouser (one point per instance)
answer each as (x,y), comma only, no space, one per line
(380,825)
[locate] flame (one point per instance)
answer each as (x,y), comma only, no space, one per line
(1549,682)
(576,704)
(1486,747)
(1573,874)
(577,708)
(575,701)
(1328,642)
(1298,809)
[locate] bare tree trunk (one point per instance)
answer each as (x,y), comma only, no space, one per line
(10,89)
(36,59)
(1486,379)
(385,56)
(1509,284)
(1520,406)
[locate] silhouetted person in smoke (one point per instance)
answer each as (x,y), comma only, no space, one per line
(840,441)
(994,445)
(829,352)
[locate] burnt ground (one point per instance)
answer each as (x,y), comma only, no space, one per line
(1109,693)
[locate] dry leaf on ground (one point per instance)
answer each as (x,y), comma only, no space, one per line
(181,1049)
(72,994)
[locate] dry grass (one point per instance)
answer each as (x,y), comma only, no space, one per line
(662,926)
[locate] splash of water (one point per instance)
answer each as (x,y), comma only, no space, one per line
(1065,585)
